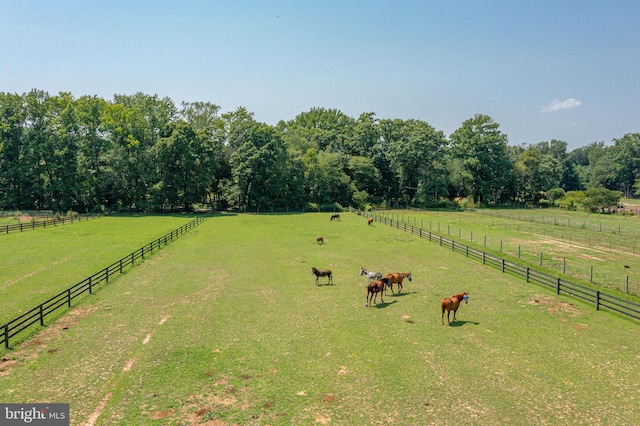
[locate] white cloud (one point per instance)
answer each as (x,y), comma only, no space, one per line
(557,105)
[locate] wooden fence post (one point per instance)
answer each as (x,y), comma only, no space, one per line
(6,336)
(41,316)
(558,286)
(90,286)
(597,300)
(69,297)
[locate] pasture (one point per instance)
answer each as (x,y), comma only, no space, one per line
(227,326)
(579,245)
(40,263)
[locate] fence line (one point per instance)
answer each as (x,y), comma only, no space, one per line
(64,299)
(43,223)
(559,285)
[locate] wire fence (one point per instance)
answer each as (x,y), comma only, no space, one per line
(559,285)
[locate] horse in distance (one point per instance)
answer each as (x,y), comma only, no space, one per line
(322,273)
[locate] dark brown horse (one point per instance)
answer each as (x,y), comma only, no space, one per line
(370,220)
(322,273)
(397,278)
(334,216)
(375,287)
(452,304)
(319,239)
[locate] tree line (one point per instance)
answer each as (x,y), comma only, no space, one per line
(144,153)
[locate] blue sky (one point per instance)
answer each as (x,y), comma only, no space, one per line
(567,70)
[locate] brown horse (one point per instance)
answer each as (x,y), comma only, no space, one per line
(375,287)
(397,278)
(370,220)
(452,304)
(319,239)
(334,216)
(322,273)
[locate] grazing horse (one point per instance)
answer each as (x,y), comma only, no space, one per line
(370,274)
(319,239)
(452,304)
(322,273)
(375,287)
(334,216)
(370,220)
(397,278)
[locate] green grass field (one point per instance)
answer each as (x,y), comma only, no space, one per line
(40,263)
(226,326)
(521,235)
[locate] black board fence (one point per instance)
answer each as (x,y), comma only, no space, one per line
(35,224)
(559,285)
(36,316)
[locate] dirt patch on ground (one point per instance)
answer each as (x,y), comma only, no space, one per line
(554,306)
(33,347)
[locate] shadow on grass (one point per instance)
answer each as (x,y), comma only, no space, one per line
(458,323)
(403,294)
(384,304)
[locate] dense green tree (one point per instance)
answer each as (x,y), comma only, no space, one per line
(625,161)
(481,150)
(258,164)
(14,155)
(535,174)
(94,145)
(601,198)
(185,164)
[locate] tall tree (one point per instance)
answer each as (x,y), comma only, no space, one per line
(625,159)
(14,155)
(481,149)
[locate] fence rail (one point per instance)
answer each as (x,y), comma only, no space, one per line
(558,284)
(64,298)
(22,226)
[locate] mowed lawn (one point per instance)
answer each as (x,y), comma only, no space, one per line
(226,326)
(38,264)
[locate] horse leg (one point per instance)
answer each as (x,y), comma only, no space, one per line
(454,314)
(442,316)
(316,280)
(331,278)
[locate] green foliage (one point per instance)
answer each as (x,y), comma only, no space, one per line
(141,153)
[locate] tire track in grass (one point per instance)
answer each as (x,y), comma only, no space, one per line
(91,420)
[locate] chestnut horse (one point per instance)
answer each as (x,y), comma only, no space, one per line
(397,278)
(322,273)
(370,220)
(452,304)
(375,287)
